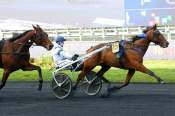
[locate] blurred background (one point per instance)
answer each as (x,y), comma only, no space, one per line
(88,22)
(90,12)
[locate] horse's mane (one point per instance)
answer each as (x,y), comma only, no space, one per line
(18,36)
(134,38)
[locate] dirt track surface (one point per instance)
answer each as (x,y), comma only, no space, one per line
(23,99)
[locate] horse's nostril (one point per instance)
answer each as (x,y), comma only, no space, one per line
(167,44)
(50,46)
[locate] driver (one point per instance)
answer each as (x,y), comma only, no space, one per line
(60,56)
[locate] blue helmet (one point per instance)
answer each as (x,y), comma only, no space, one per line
(59,39)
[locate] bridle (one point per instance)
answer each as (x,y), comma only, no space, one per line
(156,34)
(139,48)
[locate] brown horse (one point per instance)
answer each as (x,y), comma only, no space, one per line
(14,53)
(132,59)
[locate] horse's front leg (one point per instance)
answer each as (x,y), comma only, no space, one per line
(128,78)
(5,77)
(102,71)
(30,67)
(143,69)
(80,77)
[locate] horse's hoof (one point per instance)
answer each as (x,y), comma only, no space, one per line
(72,93)
(73,88)
(1,86)
(161,82)
(115,88)
(40,87)
(106,95)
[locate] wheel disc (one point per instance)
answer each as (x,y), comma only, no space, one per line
(61,85)
(92,84)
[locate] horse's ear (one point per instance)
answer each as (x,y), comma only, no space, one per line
(155,27)
(38,26)
(34,27)
(147,29)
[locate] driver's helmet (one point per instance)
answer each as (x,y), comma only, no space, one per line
(59,39)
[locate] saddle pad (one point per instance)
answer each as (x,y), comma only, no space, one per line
(115,47)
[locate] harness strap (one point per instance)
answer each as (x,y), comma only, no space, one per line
(121,53)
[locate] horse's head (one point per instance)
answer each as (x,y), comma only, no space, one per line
(41,38)
(155,36)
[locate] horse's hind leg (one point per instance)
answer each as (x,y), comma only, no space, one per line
(81,76)
(5,77)
(128,78)
(100,74)
(30,67)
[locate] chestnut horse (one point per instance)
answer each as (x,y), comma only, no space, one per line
(14,53)
(132,59)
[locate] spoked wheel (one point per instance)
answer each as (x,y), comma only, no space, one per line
(92,84)
(61,85)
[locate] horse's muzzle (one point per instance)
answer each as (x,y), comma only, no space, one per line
(49,47)
(165,45)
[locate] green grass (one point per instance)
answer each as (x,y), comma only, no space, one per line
(163,68)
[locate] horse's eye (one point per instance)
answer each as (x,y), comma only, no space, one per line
(38,36)
(156,32)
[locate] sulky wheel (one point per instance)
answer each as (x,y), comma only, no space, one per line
(92,84)
(61,85)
